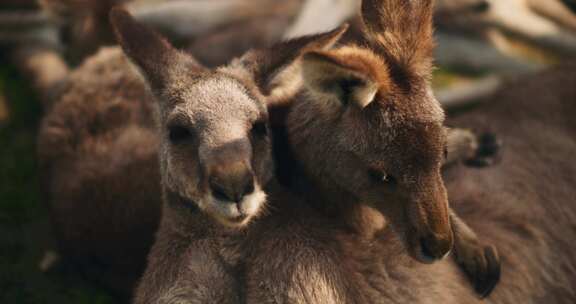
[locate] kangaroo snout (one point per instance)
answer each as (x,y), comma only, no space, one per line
(431,236)
(231,183)
(433,248)
(235,196)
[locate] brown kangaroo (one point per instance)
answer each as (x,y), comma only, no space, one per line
(368,130)
(99,120)
(100,169)
(214,159)
(167,259)
(525,205)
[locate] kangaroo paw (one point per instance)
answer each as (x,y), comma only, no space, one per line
(488,151)
(481,264)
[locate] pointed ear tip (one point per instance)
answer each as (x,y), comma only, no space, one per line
(336,33)
(314,56)
(343,28)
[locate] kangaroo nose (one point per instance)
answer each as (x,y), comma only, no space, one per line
(434,248)
(232,186)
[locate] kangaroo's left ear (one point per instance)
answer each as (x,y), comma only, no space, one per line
(267,64)
(153,54)
(346,80)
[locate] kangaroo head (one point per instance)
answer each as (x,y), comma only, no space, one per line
(370,125)
(214,148)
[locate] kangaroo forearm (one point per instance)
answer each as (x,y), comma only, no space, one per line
(462,144)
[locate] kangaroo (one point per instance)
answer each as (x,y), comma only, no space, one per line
(103,153)
(367,129)
(215,158)
(523,205)
(99,120)
(178,236)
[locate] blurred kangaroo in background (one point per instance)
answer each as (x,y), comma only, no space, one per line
(526,205)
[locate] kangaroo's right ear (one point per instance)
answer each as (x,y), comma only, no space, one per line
(155,56)
(348,76)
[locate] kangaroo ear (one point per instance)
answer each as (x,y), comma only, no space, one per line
(402,32)
(347,80)
(267,64)
(153,54)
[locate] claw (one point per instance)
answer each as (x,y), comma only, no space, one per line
(485,286)
(489,146)
(484,272)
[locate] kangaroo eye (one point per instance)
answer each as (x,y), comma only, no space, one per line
(381,177)
(388,179)
(259,128)
(178,134)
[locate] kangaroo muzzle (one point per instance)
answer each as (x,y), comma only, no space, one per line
(430,237)
(231,183)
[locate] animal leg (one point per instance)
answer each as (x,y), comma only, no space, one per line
(475,151)
(480,262)
(462,145)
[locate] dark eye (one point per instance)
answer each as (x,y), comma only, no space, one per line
(445,152)
(382,177)
(179,134)
(259,129)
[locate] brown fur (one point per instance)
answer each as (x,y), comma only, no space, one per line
(101,111)
(99,135)
(536,272)
(509,203)
(526,204)
(216,116)
(86,132)
(303,280)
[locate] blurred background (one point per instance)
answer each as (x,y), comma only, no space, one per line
(481,46)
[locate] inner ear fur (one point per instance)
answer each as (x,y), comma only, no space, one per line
(401,31)
(347,79)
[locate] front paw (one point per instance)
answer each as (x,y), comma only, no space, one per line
(481,264)
(487,152)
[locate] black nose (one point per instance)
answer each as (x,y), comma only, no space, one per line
(232,186)
(434,249)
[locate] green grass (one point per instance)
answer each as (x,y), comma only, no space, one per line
(444,77)
(24,224)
